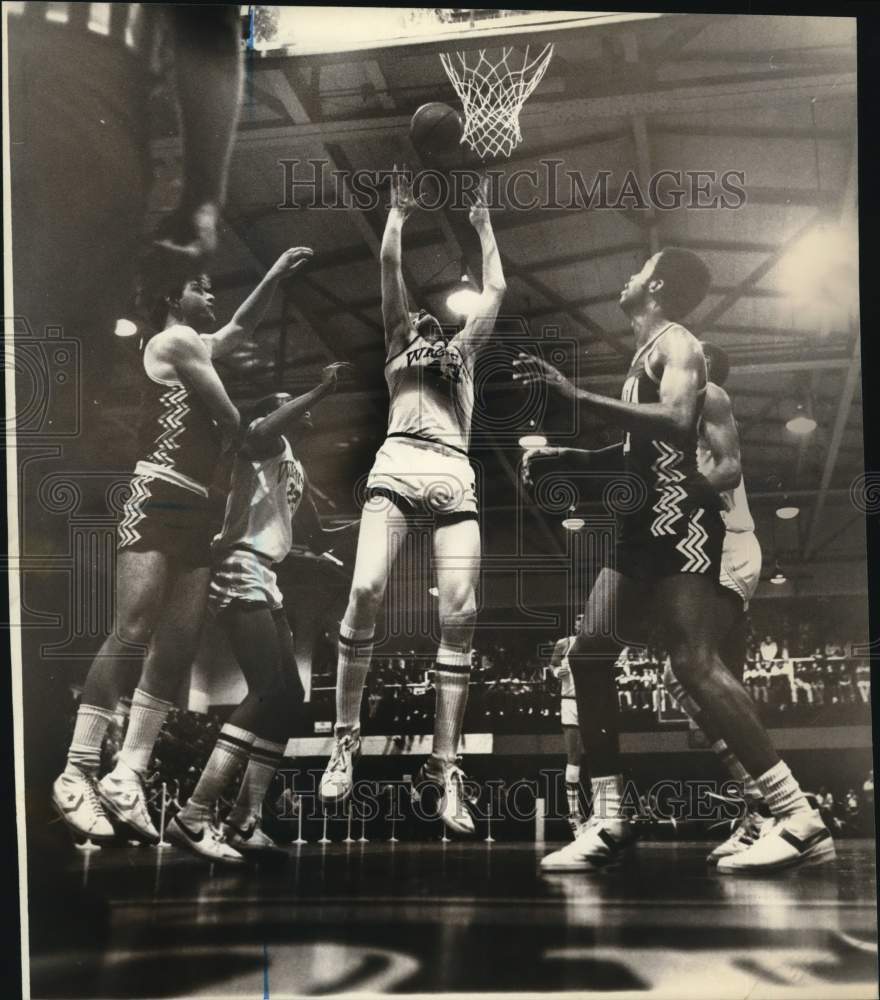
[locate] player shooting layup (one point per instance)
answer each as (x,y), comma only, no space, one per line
(422,469)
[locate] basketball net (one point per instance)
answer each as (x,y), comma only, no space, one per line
(492,96)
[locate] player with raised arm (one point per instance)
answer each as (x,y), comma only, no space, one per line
(667,561)
(421,471)
(164,551)
(269,490)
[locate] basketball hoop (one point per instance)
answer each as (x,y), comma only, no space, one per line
(492,96)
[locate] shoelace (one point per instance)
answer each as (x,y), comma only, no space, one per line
(337,759)
(92,799)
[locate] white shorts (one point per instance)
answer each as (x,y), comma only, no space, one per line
(430,477)
(741,564)
(242,575)
(569,711)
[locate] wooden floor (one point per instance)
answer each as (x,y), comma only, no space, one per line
(454,918)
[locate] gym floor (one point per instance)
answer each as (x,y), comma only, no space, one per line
(449,918)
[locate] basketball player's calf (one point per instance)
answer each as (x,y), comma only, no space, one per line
(799,836)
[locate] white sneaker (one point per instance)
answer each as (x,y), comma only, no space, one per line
(599,844)
(122,794)
(753,825)
(201,837)
(795,840)
(75,798)
(338,777)
(576,824)
(452,806)
(252,839)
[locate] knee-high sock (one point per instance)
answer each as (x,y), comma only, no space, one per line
(229,754)
(782,792)
(729,761)
(145,722)
(572,789)
(88,736)
(265,756)
(352,667)
(451,679)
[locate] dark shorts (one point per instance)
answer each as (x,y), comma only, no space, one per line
(160,517)
(692,545)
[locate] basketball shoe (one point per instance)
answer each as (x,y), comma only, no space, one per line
(75,799)
(122,795)
(755,822)
(799,839)
(203,838)
(338,777)
(448,779)
(253,839)
(599,844)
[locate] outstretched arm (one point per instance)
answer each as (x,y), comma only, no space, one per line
(675,414)
(247,317)
(721,439)
(607,460)
(263,438)
(395,303)
(191,361)
(481,323)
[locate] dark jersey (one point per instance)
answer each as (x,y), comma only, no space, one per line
(177,434)
(669,471)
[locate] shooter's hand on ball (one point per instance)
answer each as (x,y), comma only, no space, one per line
(529,370)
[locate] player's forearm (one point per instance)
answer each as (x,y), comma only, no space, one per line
(658,419)
(390,251)
(287,415)
(493,271)
(208,66)
(608,459)
(724,474)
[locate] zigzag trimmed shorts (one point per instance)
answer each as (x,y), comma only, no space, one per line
(161,517)
(691,544)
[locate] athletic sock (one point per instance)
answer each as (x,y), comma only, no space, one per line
(607,793)
(88,735)
(735,769)
(452,674)
(263,762)
(782,793)
(229,753)
(572,789)
(145,722)
(353,665)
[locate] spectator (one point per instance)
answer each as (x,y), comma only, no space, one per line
(769,649)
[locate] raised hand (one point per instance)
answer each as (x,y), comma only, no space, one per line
(402,199)
(291,261)
(479,210)
(330,374)
(529,370)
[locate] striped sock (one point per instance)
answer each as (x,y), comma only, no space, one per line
(355,653)
(572,787)
(229,753)
(607,796)
(263,762)
(88,735)
(145,722)
(781,791)
(451,679)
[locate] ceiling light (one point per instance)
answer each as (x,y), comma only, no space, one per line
(434,591)
(125,328)
(573,523)
(778,577)
(533,441)
(464,299)
(787,512)
(801,422)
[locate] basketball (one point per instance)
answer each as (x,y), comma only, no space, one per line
(436,128)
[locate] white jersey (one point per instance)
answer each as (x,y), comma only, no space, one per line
(431,390)
(563,672)
(263,499)
(736,514)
